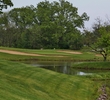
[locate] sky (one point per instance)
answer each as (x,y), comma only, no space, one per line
(94,8)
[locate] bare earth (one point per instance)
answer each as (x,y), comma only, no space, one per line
(72,52)
(98,55)
(18,53)
(28,54)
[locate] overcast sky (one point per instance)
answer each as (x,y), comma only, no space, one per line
(93,8)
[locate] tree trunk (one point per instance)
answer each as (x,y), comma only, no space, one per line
(105,58)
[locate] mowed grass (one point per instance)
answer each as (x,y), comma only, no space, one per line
(101,72)
(101,65)
(23,82)
(51,54)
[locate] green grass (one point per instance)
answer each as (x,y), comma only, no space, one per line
(37,51)
(101,75)
(52,55)
(23,82)
(92,65)
(6,56)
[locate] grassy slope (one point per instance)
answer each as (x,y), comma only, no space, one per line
(92,65)
(23,82)
(102,74)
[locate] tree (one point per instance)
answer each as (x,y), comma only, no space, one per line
(36,37)
(87,37)
(101,44)
(49,25)
(75,40)
(22,17)
(4,4)
(59,20)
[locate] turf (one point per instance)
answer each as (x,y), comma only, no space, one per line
(23,82)
(19,81)
(93,65)
(51,54)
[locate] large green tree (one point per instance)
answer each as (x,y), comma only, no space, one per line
(49,25)
(59,20)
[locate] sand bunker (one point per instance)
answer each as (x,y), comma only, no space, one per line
(72,52)
(18,53)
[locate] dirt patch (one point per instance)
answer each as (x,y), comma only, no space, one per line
(72,52)
(98,55)
(23,53)
(18,53)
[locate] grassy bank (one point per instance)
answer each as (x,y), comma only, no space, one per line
(92,65)
(23,82)
(101,73)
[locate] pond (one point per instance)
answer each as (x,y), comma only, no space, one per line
(61,67)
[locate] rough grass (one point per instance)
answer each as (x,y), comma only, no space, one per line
(23,82)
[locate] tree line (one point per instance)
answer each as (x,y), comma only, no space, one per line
(48,25)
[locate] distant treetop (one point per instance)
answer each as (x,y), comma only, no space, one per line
(4,4)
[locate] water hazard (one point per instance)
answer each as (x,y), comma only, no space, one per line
(61,67)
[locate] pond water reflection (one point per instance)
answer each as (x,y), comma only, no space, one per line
(61,67)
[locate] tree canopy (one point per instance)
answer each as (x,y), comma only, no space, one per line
(48,25)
